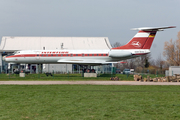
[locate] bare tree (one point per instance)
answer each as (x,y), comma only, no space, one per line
(159,62)
(152,62)
(172,51)
(116,44)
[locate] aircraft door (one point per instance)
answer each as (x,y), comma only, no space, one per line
(37,55)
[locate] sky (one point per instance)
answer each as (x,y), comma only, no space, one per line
(90,18)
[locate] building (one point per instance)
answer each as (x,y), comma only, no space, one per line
(9,45)
(174,70)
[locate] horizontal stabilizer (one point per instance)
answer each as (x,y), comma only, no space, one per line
(153,28)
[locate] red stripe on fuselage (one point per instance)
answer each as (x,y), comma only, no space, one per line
(58,55)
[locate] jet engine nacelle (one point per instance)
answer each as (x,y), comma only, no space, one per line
(119,53)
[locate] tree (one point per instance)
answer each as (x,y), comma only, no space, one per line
(159,62)
(172,51)
(146,63)
(116,44)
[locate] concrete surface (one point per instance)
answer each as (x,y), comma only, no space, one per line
(85,83)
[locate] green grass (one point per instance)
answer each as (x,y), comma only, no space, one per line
(97,102)
(72,77)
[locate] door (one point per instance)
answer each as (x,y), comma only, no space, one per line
(37,55)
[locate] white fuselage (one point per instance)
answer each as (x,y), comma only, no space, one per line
(73,56)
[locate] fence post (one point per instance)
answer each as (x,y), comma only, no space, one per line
(9,74)
(127,75)
(156,73)
(68,74)
(53,74)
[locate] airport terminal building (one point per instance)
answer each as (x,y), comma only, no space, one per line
(8,45)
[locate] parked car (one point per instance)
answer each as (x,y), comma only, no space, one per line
(126,71)
(118,71)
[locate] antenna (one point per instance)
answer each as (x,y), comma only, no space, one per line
(62,46)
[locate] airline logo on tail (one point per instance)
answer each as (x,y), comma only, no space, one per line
(136,44)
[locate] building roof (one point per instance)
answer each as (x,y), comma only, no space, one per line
(9,44)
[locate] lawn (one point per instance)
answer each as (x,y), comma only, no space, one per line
(67,102)
(72,77)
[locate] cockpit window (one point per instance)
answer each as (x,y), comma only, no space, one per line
(16,52)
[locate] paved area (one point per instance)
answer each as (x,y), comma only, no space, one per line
(85,83)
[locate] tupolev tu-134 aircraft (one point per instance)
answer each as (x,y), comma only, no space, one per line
(139,45)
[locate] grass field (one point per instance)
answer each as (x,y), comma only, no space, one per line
(75,102)
(73,77)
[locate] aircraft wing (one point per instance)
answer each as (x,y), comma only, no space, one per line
(83,61)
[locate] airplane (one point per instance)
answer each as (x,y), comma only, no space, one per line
(139,45)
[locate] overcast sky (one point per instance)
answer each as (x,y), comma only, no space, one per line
(90,18)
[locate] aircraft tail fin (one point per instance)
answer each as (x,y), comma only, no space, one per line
(143,39)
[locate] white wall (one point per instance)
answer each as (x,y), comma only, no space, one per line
(57,68)
(174,70)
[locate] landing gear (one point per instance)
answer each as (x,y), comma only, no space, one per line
(87,69)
